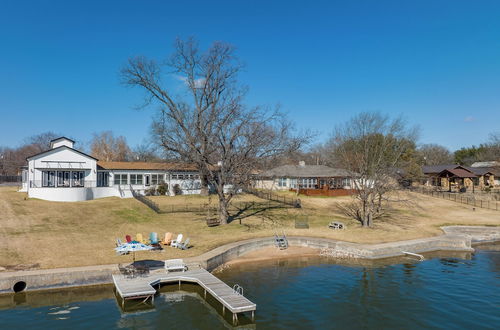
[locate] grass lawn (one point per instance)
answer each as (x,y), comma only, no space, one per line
(43,234)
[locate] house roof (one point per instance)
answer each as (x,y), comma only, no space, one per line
(486,164)
(459,173)
(306,171)
(481,170)
(146,166)
(436,169)
(58,148)
(61,138)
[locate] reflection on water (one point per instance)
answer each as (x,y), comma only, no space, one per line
(447,291)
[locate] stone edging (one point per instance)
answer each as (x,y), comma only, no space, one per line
(93,275)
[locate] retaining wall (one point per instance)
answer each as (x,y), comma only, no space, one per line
(92,275)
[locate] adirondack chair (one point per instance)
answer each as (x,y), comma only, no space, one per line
(177,241)
(128,238)
(185,245)
(139,238)
(168,239)
(153,238)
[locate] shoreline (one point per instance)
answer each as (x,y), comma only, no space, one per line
(458,239)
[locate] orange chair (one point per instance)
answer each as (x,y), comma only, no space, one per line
(168,239)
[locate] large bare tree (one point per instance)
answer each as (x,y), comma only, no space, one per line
(105,146)
(373,148)
(435,154)
(203,119)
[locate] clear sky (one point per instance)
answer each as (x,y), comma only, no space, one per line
(436,62)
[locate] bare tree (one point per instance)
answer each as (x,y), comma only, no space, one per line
(41,142)
(207,123)
(435,154)
(105,146)
(372,148)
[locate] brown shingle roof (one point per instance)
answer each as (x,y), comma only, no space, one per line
(459,172)
(146,166)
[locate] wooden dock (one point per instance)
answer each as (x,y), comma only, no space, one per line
(141,287)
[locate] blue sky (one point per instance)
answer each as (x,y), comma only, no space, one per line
(435,62)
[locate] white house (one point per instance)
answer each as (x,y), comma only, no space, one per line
(63,173)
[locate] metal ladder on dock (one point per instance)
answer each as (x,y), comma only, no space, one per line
(280,241)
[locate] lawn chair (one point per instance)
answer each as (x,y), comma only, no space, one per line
(175,264)
(168,239)
(127,272)
(185,245)
(139,238)
(153,238)
(128,238)
(176,242)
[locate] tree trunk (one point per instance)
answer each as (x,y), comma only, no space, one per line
(204,191)
(223,212)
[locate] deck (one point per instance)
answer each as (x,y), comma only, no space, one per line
(142,288)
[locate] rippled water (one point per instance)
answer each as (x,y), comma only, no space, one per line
(444,292)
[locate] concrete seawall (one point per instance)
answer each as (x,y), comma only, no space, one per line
(93,275)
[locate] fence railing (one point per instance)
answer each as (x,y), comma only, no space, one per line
(148,202)
(459,198)
(266,194)
(204,208)
(10,178)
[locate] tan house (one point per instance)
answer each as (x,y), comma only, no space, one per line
(458,177)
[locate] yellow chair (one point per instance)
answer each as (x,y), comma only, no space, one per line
(139,238)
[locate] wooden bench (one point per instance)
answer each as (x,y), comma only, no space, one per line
(336,225)
(174,265)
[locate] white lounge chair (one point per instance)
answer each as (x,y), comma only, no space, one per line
(177,241)
(175,264)
(185,245)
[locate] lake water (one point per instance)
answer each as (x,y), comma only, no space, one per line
(452,291)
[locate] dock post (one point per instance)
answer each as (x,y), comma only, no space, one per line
(223,310)
(253,316)
(205,294)
(179,284)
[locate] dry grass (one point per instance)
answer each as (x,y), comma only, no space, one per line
(53,234)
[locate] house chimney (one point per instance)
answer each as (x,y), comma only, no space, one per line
(302,163)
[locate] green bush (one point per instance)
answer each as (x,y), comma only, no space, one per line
(177,190)
(162,189)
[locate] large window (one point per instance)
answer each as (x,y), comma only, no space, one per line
(121,179)
(77,178)
(135,178)
(63,178)
(48,178)
(282,182)
(102,179)
(157,179)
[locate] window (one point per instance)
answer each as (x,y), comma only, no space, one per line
(121,179)
(135,178)
(63,178)
(48,178)
(77,178)
(282,182)
(102,179)
(157,179)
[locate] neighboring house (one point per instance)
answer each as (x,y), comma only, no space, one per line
(303,176)
(491,166)
(63,173)
(457,177)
